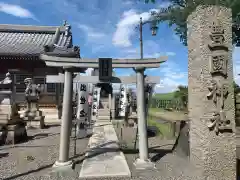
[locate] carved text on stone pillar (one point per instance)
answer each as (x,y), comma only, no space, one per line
(218,93)
(82,100)
(83,87)
(218,66)
(217,37)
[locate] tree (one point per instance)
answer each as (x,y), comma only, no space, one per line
(177,12)
(236,88)
(182,95)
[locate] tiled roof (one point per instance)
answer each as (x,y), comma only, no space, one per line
(21,40)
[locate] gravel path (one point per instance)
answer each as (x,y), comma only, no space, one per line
(34,159)
(168,165)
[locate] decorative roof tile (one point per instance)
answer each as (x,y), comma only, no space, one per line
(18,40)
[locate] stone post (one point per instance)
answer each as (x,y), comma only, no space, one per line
(122,100)
(211,96)
(57,95)
(143,161)
(82,111)
(63,160)
(113,106)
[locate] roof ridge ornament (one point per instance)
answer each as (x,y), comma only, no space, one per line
(67,28)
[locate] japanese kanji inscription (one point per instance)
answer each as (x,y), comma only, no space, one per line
(218,66)
(218,93)
(217,39)
(83,87)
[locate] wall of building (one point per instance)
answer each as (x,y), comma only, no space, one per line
(48,95)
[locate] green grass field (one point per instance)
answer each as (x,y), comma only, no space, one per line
(165,96)
(164,129)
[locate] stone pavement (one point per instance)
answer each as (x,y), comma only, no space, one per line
(104,158)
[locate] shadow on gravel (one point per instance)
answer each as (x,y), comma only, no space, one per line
(3,154)
(39,169)
(51,125)
(152,131)
(42,135)
(28,172)
(159,153)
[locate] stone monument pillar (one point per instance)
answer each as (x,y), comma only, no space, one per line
(113,107)
(122,101)
(211,95)
(95,103)
(33,115)
(82,111)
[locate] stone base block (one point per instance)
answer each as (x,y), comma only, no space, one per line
(62,166)
(15,134)
(3,135)
(81,133)
(36,122)
(144,164)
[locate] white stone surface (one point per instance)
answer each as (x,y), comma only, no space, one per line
(104,158)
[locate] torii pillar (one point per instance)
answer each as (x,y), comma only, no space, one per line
(63,160)
(143,162)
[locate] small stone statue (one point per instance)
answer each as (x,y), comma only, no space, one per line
(32,94)
(32,91)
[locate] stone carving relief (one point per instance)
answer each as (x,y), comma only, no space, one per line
(217,38)
(218,68)
(218,64)
(218,93)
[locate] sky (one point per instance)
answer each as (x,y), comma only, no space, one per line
(108,28)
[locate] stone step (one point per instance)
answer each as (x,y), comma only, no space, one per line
(104,117)
(104,159)
(104,114)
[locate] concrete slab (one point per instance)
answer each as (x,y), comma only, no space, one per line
(104,158)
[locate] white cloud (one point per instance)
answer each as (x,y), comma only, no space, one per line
(127,3)
(166,85)
(151,49)
(91,33)
(171,77)
(87,72)
(236,64)
(170,53)
(16,10)
(126,27)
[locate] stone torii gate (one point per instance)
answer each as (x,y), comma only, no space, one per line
(71,65)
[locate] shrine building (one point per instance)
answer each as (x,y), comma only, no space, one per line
(20,48)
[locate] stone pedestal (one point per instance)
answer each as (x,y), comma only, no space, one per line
(12,127)
(81,129)
(210,93)
(33,116)
(16,133)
